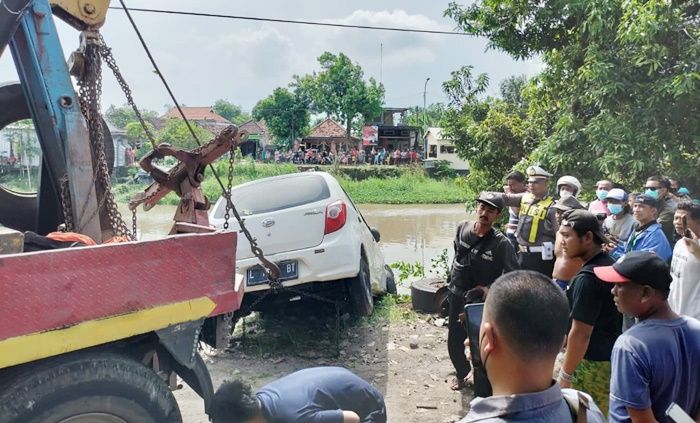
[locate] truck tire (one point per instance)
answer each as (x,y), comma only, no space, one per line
(88,388)
(360,289)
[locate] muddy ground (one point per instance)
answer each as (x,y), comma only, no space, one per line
(402,353)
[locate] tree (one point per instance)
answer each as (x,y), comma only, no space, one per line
(493,134)
(122,116)
(620,93)
(286,115)
(432,116)
(230,112)
(339,91)
(178,134)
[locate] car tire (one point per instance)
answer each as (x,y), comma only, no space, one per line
(96,387)
(426,294)
(390,280)
(360,290)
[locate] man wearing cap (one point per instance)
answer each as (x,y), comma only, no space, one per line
(647,234)
(565,267)
(620,223)
(656,362)
(537,224)
(482,254)
(595,323)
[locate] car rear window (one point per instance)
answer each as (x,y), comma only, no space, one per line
(277,194)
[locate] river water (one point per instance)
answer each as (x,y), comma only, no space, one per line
(409,233)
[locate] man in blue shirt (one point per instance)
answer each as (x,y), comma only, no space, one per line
(657,361)
(518,345)
(317,394)
(648,235)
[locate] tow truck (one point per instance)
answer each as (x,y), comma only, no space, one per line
(100,333)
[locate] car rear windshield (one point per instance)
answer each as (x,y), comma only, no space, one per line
(276,194)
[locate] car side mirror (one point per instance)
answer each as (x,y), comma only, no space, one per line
(375,234)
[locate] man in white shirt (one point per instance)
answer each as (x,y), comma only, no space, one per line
(685,264)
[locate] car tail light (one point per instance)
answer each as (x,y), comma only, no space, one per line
(336,214)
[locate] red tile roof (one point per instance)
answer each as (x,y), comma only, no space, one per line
(196,113)
(327,129)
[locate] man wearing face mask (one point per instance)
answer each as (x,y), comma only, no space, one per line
(599,206)
(659,189)
(620,223)
(568,186)
(647,234)
(518,346)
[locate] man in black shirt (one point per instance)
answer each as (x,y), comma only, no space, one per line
(595,321)
(482,254)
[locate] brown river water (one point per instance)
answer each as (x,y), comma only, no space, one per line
(410,233)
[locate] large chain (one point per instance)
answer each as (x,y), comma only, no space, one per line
(90,92)
(229,185)
(106,54)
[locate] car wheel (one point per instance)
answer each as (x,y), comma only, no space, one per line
(390,280)
(360,289)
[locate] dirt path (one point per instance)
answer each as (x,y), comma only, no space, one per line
(403,354)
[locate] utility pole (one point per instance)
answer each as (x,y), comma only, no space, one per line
(425,86)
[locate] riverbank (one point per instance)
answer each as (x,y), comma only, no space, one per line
(411,186)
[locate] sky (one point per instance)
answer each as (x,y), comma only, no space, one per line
(205,59)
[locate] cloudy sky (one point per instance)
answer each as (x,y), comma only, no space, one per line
(205,59)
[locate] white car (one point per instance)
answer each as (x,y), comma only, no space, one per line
(307,224)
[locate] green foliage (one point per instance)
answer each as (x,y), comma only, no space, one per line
(440,266)
(431,117)
(123,115)
(443,169)
(230,111)
(286,115)
(408,270)
(339,91)
(620,92)
(177,133)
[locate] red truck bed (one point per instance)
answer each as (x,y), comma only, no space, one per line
(52,302)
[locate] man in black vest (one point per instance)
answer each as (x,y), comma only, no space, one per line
(482,254)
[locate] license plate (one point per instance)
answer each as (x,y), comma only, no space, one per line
(289,269)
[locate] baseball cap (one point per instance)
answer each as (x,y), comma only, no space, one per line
(617,194)
(492,199)
(568,203)
(646,199)
(642,267)
(583,221)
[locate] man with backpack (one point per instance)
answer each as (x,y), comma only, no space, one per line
(482,254)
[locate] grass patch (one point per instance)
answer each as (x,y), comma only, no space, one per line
(390,308)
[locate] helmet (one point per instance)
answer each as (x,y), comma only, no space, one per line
(569,180)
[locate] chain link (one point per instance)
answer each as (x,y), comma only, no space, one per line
(106,54)
(66,203)
(133,225)
(229,185)
(90,92)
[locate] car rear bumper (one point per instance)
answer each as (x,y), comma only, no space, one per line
(335,258)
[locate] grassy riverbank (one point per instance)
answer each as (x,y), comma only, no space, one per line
(411,186)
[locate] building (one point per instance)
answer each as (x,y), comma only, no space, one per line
(258,137)
(204,117)
(329,135)
(438,147)
(391,131)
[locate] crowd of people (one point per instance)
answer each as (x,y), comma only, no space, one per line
(627,266)
(354,156)
(590,314)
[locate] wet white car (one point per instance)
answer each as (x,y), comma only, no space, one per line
(307,224)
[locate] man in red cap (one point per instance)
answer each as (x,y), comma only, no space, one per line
(657,361)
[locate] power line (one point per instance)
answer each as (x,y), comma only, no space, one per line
(289,21)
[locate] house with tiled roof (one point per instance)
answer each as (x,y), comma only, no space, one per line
(258,137)
(204,117)
(331,135)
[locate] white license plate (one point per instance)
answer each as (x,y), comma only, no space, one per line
(289,269)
